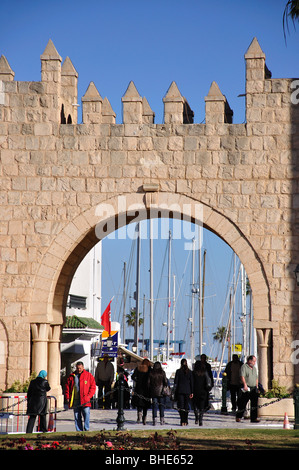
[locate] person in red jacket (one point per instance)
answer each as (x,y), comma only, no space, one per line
(79,390)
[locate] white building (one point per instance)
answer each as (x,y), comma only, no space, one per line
(82,330)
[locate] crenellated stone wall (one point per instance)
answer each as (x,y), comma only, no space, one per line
(56,174)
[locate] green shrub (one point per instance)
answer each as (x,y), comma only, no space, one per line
(277,391)
(18,387)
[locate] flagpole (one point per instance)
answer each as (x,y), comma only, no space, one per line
(106,317)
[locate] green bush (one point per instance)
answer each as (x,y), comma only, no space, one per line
(18,387)
(277,391)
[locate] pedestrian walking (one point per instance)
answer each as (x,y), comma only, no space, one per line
(104,377)
(79,390)
(208,367)
(157,382)
(141,397)
(123,375)
(201,387)
(183,385)
(233,370)
(37,401)
(249,390)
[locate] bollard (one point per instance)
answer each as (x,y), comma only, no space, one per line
(120,415)
(224,392)
(296,406)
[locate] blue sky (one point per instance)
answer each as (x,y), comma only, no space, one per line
(192,42)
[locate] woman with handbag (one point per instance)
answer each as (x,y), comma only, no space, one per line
(201,387)
(157,382)
(183,385)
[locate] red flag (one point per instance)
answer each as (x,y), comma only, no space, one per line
(106,318)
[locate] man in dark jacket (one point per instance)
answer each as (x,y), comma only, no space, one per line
(183,384)
(37,401)
(80,388)
(234,384)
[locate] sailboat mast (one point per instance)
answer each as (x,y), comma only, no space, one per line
(151,291)
(124,302)
(169,300)
(192,304)
(201,304)
(244,317)
(228,323)
(173,313)
(136,332)
(200,294)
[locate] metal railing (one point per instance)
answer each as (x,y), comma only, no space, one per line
(13,414)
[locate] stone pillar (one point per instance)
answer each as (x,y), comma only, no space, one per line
(92,105)
(69,91)
(132,106)
(263,343)
(108,115)
(39,346)
(54,355)
(173,105)
(256,73)
(54,363)
(218,110)
(147,113)
(6,73)
(51,79)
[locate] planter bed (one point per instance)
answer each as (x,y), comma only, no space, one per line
(276,409)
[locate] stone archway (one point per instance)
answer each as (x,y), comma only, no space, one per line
(79,236)
(53,176)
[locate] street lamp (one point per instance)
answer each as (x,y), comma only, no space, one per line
(109,342)
(297,274)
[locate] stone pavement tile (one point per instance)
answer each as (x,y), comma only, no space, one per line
(107,420)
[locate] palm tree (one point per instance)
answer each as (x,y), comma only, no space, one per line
(291,11)
(131,318)
(220,334)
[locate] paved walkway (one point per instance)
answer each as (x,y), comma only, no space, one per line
(106,420)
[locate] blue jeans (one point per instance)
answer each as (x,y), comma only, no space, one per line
(158,402)
(80,412)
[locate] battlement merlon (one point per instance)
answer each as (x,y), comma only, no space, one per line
(54,98)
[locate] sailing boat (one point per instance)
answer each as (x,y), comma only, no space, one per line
(173,360)
(245,321)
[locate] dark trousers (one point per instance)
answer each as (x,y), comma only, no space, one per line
(234,393)
(199,405)
(31,421)
(107,386)
(243,399)
(183,407)
(142,410)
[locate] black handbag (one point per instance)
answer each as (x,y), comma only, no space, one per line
(208,382)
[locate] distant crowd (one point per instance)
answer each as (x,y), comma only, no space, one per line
(151,390)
